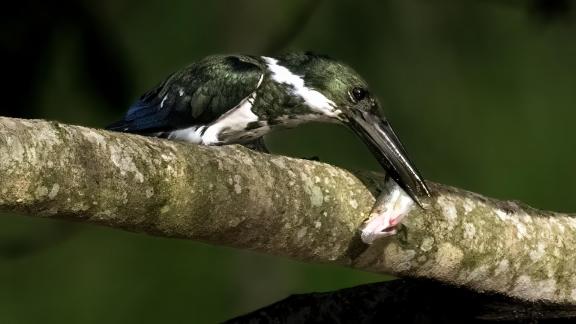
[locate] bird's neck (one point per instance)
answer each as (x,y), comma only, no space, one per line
(275,102)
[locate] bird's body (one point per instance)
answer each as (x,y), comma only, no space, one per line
(226,99)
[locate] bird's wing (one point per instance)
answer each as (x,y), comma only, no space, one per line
(198,94)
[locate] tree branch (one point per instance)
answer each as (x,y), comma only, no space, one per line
(278,205)
(407,301)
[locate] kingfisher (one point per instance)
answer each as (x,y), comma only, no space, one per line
(237,99)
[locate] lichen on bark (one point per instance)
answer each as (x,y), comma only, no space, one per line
(278,205)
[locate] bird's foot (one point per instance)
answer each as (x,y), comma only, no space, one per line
(257,145)
(390,208)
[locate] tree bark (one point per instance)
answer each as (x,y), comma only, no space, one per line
(278,205)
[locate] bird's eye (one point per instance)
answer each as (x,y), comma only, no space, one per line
(358,94)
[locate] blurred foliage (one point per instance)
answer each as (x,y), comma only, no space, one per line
(482,93)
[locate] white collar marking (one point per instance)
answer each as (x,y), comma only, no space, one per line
(313,99)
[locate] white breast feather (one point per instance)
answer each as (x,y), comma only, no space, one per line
(235,120)
(191,134)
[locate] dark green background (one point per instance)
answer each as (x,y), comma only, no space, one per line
(482,93)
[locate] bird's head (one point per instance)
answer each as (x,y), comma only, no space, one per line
(339,93)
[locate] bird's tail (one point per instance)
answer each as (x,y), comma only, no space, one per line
(119,126)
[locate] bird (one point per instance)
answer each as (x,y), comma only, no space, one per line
(237,99)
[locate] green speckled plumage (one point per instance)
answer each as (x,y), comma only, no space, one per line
(197,94)
(216,84)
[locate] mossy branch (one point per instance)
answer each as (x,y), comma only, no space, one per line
(278,205)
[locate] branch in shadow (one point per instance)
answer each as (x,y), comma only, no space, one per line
(407,301)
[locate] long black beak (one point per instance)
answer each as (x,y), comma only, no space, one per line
(385,145)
